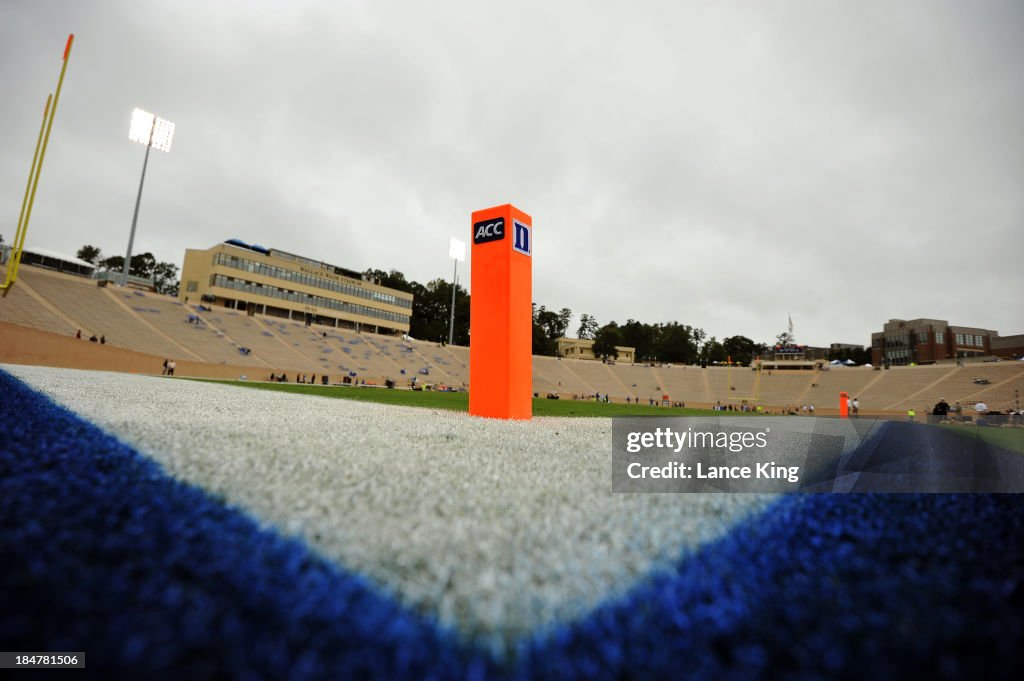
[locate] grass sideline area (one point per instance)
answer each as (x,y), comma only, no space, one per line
(460,401)
(1007,438)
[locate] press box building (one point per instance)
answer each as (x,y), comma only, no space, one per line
(272,282)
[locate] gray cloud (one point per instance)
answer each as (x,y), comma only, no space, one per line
(721,164)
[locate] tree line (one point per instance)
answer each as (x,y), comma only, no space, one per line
(144,265)
(661,342)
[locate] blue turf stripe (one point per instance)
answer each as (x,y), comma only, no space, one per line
(856,586)
(104,553)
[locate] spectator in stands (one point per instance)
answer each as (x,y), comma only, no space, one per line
(981,409)
(79,335)
(273,377)
(957,410)
(171,364)
(941,408)
(812,410)
(165,367)
(103,340)
(856,407)
(94,339)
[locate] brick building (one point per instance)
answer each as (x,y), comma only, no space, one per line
(923,341)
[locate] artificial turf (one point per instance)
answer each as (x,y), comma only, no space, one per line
(154,578)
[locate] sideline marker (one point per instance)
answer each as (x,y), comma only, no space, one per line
(501,314)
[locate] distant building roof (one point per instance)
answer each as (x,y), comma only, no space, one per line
(48,253)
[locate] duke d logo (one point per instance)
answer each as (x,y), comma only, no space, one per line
(521,238)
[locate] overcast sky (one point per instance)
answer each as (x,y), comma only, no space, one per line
(720,164)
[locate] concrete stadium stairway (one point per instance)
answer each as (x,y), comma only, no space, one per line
(24,307)
(897,384)
(735,383)
(600,377)
(958,386)
(682,384)
(560,372)
(241,331)
(171,318)
(136,311)
(90,307)
(824,392)
(641,380)
(301,340)
(783,388)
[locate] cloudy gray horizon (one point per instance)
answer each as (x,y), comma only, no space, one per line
(720,164)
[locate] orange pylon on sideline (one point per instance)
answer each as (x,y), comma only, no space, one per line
(49,111)
(501,314)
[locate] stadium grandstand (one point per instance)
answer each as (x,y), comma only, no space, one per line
(49,317)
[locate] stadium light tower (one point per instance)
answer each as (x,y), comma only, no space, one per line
(457,252)
(152,131)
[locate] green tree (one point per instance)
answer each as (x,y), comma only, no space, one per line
(564,319)
(143,265)
(548,327)
(393,279)
(713,351)
(858,355)
(541,344)
(165,278)
(90,254)
(741,349)
(643,338)
(588,327)
(606,340)
(678,343)
(432,309)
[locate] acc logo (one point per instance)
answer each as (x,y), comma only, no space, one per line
(489,230)
(521,237)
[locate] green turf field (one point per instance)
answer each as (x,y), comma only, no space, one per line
(1007,438)
(460,401)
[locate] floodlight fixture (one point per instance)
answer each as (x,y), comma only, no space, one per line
(457,250)
(153,131)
